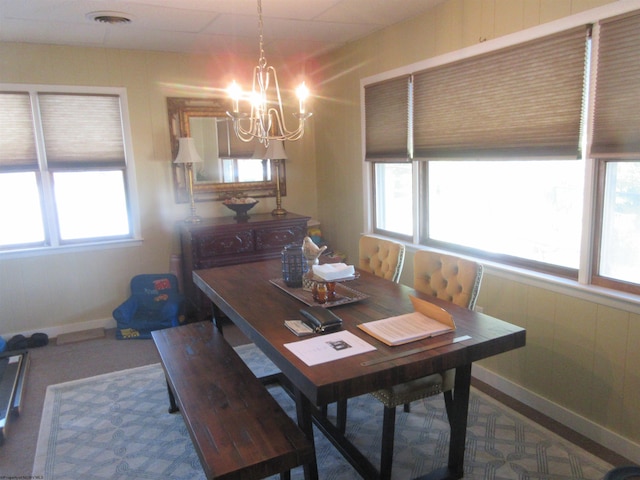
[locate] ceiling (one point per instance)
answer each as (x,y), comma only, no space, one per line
(291,27)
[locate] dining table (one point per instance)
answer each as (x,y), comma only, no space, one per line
(254,297)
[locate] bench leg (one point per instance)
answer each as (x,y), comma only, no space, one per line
(305,422)
(173,408)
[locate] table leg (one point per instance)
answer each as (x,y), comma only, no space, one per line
(305,422)
(458,413)
(173,408)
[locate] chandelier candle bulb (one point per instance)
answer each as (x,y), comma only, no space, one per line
(235,92)
(302,92)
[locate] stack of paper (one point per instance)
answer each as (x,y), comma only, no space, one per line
(333,271)
(428,320)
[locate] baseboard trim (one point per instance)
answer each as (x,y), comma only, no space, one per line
(613,441)
(53,332)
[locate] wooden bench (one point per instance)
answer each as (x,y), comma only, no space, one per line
(238,429)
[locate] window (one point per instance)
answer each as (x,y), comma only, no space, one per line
(64,174)
(615,146)
(241,161)
(394,198)
(245,170)
(499,167)
(387,111)
(21,207)
(509,209)
(618,238)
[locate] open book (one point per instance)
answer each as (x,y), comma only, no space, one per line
(428,320)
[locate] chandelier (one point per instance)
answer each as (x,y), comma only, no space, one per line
(263,118)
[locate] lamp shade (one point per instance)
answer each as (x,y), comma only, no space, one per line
(260,153)
(275,150)
(187,152)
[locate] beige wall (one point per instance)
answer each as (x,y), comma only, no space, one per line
(55,291)
(581,356)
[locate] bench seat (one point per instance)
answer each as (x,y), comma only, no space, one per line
(238,429)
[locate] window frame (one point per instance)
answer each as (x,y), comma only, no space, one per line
(597,232)
(374,206)
(520,262)
(44,177)
(586,275)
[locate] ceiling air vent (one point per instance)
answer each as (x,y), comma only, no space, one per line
(112,18)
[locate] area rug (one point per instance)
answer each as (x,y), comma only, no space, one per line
(116,426)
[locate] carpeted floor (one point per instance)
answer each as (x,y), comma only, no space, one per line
(117,426)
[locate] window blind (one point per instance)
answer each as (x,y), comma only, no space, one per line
(387,117)
(17,141)
(229,145)
(522,101)
(616,121)
(82,130)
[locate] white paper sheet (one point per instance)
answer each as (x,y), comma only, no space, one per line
(326,348)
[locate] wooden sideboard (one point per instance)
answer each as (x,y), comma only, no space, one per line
(224,241)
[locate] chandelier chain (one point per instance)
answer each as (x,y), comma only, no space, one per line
(263,61)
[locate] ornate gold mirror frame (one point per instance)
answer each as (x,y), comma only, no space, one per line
(181,111)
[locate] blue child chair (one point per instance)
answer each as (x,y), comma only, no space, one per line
(155,303)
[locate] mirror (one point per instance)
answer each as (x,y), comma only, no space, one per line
(217,178)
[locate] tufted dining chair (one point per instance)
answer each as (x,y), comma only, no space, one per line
(452,279)
(383,258)
(448,277)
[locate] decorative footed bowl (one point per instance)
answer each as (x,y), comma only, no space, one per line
(241,209)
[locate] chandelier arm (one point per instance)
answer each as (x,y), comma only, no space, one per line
(285,133)
(243,134)
(275,82)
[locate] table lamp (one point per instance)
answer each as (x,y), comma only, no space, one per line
(188,155)
(275,152)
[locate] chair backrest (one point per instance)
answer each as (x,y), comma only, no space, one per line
(154,284)
(384,258)
(447,277)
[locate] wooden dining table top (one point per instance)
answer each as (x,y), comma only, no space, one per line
(259,308)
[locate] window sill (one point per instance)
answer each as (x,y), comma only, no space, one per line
(62,249)
(603,296)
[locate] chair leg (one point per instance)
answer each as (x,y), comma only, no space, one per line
(285,475)
(388,434)
(407,408)
(217,317)
(341,416)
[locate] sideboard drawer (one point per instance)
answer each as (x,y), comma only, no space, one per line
(210,246)
(276,237)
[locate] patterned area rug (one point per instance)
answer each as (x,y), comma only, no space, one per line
(116,426)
